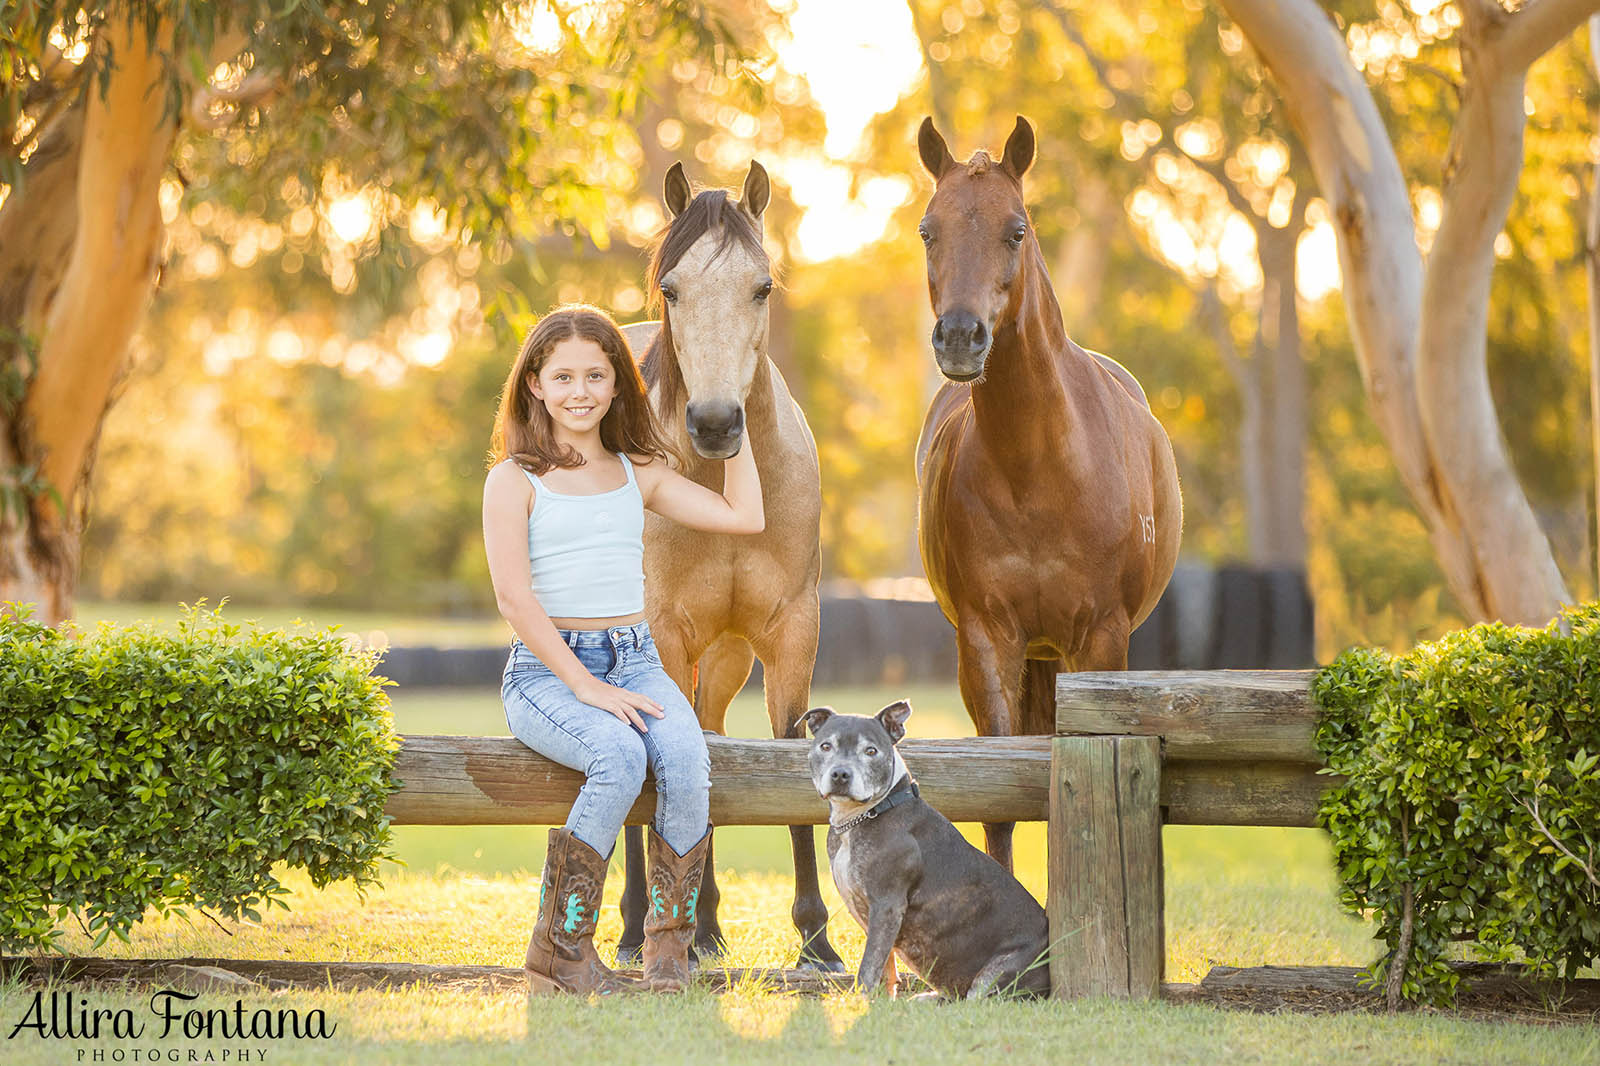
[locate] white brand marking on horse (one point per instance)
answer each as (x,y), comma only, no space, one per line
(1147,528)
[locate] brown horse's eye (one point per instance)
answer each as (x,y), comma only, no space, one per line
(1015,240)
(922,231)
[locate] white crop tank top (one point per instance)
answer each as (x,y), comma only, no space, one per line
(587,552)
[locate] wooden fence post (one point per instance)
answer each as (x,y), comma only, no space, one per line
(1105,903)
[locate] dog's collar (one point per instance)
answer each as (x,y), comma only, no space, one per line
(904,791)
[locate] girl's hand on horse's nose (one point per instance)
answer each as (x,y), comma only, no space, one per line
(620,702)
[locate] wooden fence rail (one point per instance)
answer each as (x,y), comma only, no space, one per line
(1236,751)
(498,781)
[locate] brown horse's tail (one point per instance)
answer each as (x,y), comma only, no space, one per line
(1039,696)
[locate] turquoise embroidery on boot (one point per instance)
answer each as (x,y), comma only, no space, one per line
(657,904)
(694,897)
(574,913)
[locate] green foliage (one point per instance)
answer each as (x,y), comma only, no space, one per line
(1471,783)
(142,769)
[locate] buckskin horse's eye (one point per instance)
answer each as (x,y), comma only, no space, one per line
(765,291)
(668,293)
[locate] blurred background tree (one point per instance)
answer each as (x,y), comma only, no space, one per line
(322,394)
(351,143)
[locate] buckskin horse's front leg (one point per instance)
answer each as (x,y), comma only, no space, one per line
(630,947)
(989,665)
(788,655)
(721,673)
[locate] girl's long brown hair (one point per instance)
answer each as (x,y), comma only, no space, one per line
(523,429)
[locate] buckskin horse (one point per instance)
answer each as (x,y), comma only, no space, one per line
(1048,507)
(716,602)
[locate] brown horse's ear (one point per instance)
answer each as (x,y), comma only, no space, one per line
(935,153)
(893,718)
(677,191)
(757,191)
(1018,156)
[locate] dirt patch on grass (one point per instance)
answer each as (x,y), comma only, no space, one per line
(1486,993)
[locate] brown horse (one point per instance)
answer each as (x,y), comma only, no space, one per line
(715,602)
(1049,513)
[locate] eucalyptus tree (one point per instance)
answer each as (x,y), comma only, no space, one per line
(1420,327)
(494,117)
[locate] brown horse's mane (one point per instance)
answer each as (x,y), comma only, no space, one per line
(709,210)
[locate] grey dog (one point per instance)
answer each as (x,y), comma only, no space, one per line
(956,917)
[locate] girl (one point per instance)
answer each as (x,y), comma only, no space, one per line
(576,461)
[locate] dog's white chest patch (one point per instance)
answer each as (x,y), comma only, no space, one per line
(839,866)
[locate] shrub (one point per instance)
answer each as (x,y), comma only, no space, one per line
(172,769)
(1472,788)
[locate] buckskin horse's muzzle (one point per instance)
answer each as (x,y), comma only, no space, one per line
(960,345)
(716,428)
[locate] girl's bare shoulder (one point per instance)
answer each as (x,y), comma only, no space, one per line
(507,480)
(649,470)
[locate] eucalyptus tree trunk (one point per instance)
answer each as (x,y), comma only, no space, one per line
(1421,335)
(80,247)
(1284,445)
(1592,261)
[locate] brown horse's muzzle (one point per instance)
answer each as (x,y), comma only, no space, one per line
(716,428)
(961,345)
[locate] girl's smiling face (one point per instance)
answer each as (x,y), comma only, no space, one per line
(576,384)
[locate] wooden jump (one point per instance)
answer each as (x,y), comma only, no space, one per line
(1133,752)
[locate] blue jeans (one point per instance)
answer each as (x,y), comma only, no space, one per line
(543,713)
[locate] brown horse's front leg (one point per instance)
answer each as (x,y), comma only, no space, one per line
(989,663)
(788,655)
(673,648)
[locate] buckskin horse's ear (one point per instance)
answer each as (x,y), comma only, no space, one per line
(935,153)
(1018,156)
(677,190)
(816,717)
(893,718)
(757,191)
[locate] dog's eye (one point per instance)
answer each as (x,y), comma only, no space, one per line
(871,752)
(824,746)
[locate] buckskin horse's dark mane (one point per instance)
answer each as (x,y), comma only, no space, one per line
(709,210)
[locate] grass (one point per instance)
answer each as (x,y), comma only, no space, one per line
(466,896)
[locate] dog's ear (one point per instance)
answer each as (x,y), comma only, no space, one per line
(816,718)
(893,719)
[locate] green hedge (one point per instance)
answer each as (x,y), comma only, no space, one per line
(1473,786)
(146,769)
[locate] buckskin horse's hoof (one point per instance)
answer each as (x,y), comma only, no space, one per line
(824,961)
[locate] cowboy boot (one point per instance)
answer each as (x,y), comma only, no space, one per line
(669,923)
(561,955)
